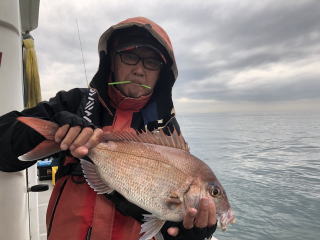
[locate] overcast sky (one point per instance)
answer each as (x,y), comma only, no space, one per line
(232,55)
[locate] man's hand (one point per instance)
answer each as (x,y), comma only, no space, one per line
(78,141)
(205,216)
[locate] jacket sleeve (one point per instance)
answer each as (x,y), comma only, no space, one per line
(17,138)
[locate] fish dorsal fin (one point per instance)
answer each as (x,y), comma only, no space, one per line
(157,137)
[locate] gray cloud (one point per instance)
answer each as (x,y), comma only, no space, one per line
(299,90)
(226,50)
(252,37)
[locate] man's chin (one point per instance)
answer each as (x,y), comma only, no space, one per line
(132,94)
(137,94)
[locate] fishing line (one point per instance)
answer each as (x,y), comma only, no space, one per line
(83,62)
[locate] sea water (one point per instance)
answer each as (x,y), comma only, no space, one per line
(269,165)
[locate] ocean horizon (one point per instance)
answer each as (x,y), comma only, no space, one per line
(269,165)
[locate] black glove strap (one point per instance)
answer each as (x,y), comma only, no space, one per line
(194,233)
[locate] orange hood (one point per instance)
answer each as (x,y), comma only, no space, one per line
(162,93)
(154,29)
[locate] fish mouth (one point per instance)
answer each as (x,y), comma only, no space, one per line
(225,219)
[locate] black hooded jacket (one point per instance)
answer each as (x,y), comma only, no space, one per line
(91,107)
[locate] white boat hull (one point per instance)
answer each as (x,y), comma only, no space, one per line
(14,220)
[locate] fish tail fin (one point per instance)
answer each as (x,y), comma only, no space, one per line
(47,147)
(44,127)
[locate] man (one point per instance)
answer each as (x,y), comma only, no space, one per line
(130,91)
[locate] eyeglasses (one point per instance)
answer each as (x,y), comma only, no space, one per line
(149,63)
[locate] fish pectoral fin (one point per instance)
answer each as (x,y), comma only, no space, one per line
(93,178)
(151,227)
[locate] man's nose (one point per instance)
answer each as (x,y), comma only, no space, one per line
(139,69)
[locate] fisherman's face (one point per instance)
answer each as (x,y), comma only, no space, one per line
(138,74)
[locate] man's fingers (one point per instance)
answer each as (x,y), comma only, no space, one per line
(82,138)
(203,214)
(212,219)
(95,139)
(80,152)
(173,231)
(70,137)
(61,132)
(204,217)
(189,218)
(78,140)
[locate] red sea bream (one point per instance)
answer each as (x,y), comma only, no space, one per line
(155,171)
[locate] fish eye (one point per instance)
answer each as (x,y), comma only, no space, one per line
(214,191)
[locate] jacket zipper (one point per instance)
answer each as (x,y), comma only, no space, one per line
(55,207)
(88,236)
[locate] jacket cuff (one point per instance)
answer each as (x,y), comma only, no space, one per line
(72,119)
